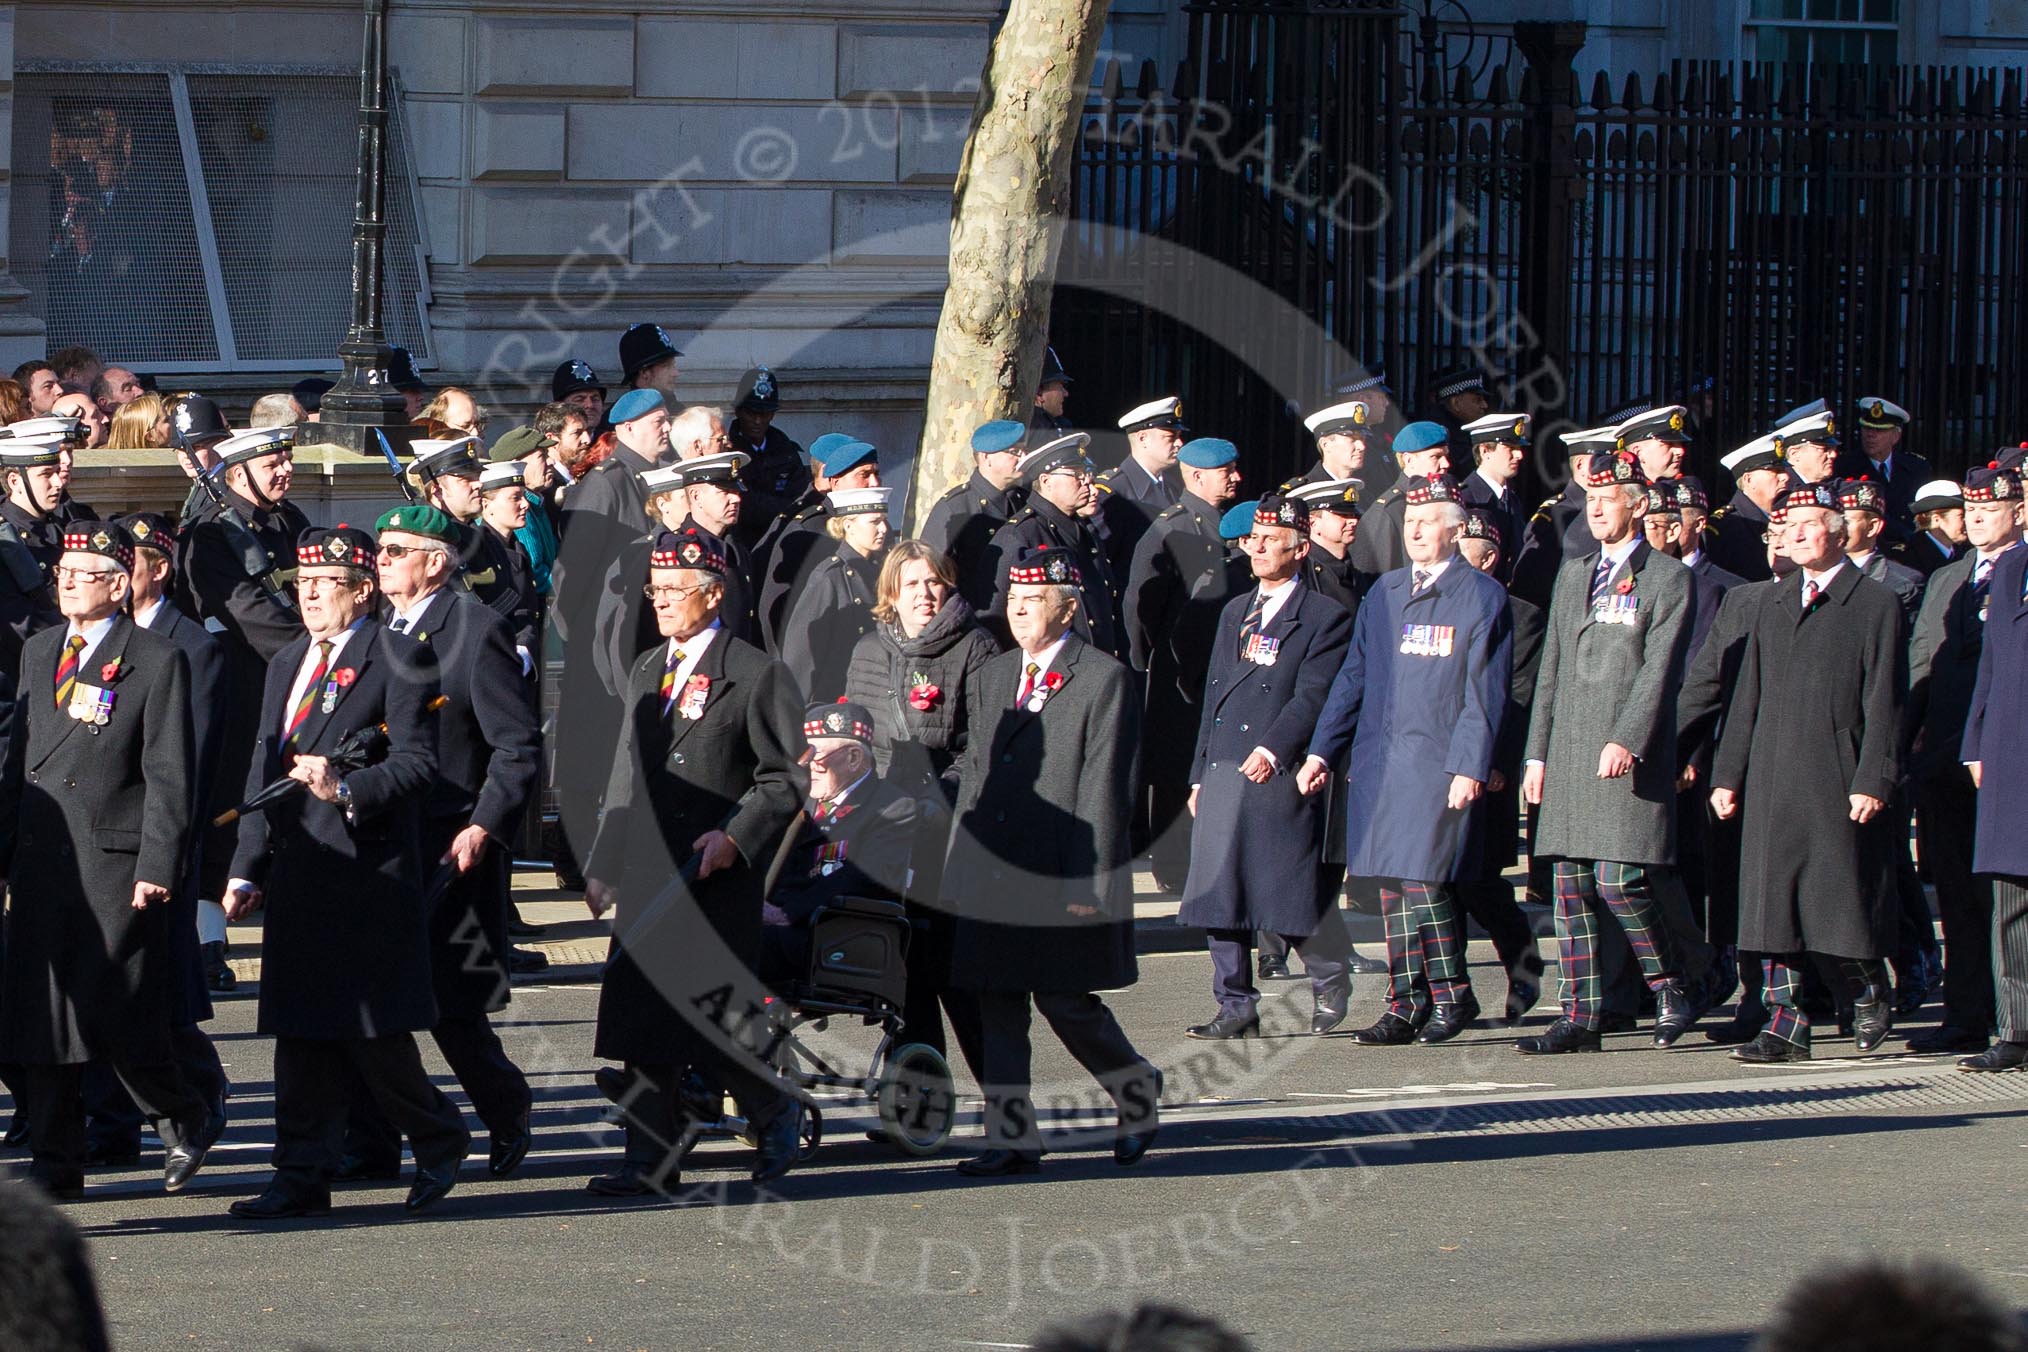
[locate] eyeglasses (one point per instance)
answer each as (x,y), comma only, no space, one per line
(312,584)
(403,551)
(1083,476)
(672,593)
(68,574)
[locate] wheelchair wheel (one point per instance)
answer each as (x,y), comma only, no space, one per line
(918,1102)
(809,1131)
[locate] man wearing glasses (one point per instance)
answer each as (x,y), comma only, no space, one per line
(341,864)
(94,825)
(1059,476)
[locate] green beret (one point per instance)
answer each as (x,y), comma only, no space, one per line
(518,444)
(418,518)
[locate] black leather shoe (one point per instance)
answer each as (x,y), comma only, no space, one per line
(509,1147)
(1522,995)
(57,1187)
(1737,1030)
(521,929)
(433,1184)
(612,1082)
(1769,1050)
(1225,1027)
(1330,1016)
(1446,1021)
(1720,984)
(17,1132)
(1000,1164)
(283,1201)
(181,1162)
(1390,1030)
(631,1181)
(1674,1016)
(1560,1038)
(1361,965)
(1871,1020)
(778,1144)
(1945,1038)
(1274,969)
(523,961)
(358,1169)
(1918,984)
(1999,1056)
(1130,1146)
(105,1155)
(217,971)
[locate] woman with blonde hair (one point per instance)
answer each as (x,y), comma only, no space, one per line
(139,425)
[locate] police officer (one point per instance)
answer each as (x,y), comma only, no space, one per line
(1497,444)
(1145,484)
(1459,397)
(1883,425)
(1557,531)
(405,379)
(1601,753)
(1421,449)
(195,429)
(1333,506)
(648,362)
(1177,588)
(1277,649)
(1939,537)
(575,383)
(1059,478)
(797,543)
(835,610)
(1943,669)
(777,471)
(1735,539)
(961,524)
(1051,394)
(1414,716)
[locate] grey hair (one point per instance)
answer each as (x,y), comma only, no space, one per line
(273,410)
(693,424)
(1475,550)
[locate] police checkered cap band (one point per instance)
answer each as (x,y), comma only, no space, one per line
(108,542)
(686,549)
(1458,382)
(1620,467)
(1375,380)
(1633,408)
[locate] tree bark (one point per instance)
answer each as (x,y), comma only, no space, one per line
(1007,217)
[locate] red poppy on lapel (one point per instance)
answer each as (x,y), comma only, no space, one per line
(1625,587)
(344,677)
(110,672)
(925,697)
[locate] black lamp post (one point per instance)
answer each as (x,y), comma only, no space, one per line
(362,400)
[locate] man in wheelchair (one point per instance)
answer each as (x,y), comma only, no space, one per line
(853,839)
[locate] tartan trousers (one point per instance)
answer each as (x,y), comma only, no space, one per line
(1425,961)
(1586,892)
(1782,977)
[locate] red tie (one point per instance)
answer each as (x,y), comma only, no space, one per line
(1027,686)
(66,670)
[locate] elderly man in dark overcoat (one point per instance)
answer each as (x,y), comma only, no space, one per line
(488,754)
(94,832)
(345,961)
(1943,671)
(1417,706)
(1278,647)
(1812,739)
(702,790)
(1601,756)
(1039,868)
(1995,753)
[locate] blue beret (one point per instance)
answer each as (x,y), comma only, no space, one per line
(826,444)
(1002,435)
(636,404)
(847,454)
(1209,453)
(1237,523)
(1419,436)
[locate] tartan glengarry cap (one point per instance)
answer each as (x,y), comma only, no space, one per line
(687,548)
(1620,467)
(1809,495)
(1418,491)
(844,719)
(151,529)
(1331,495)
(1991,483)
(1861,495)
(1690,493)
(339,546)
(1045,567)
(1479,525)
(1662,500)
(1277,510)
(106,539)
(1508,427)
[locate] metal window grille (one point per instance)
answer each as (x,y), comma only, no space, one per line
(202,219)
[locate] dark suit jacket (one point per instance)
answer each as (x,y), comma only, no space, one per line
(345,953)
(210,794)
(1996,727)
(85,812)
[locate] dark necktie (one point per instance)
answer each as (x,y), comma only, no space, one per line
(1599,577)
(301,713)
(1418,582)
(1250,626)
(66,670)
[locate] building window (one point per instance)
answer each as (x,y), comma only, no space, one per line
(197,220)
(1824,32)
